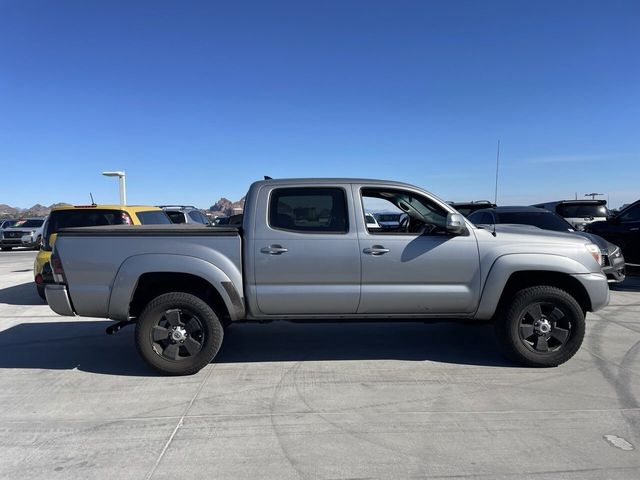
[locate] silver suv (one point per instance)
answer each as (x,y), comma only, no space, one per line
(185,214)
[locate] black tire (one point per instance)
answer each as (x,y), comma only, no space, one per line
(6,249)
(40,289)
(522,327)
(186,316)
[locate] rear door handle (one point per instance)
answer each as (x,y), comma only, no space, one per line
(274,249)
(376,250)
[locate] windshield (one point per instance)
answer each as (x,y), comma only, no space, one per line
(28,224)
(582,210)
(543,220)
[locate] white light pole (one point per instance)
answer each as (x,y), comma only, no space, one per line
(123,187)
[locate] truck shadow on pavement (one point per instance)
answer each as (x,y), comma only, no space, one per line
(83,345)
(23,294)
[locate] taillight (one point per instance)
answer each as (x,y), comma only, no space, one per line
(126,219)
(39,279)
(56,267)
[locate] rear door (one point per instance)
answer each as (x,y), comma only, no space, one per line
(305,251)
(415,269)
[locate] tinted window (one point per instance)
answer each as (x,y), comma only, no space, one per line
(82,218)
(176,217)
(196,216)
(309,209)
(481,218)
(543,220)
(581,211)
(631,214)
(153,217)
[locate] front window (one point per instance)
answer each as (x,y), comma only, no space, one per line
(309,210)
(198,217)
(400,211)
(153,217)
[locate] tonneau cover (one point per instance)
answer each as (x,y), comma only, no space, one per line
(149,230)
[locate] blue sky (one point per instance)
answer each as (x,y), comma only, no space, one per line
(195,100)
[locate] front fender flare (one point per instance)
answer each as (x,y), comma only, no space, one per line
(506,265)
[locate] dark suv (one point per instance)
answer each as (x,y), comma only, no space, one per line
(622,229)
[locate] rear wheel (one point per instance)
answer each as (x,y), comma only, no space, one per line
(178,333)
(543,327)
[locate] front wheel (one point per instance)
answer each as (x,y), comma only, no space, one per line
(543,327)
(178,334)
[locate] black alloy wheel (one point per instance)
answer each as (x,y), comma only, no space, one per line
(543,326)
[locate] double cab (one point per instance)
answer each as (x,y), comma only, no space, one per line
(304,250)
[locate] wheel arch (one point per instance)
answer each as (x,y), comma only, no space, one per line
(143,277)
(511,273)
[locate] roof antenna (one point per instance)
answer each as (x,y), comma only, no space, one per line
(92,202)
(495,197)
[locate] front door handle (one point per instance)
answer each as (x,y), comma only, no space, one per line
(274,249)
(376,250)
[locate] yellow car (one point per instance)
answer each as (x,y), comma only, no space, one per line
(88,216)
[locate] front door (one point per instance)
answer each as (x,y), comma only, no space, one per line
(416,268)
(306,252)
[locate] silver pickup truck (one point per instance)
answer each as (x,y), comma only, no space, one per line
(305,251)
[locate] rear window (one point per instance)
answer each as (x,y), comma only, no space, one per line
(543,220)
(153,217)
(176,217)
(310,210)
(582,210)
(83,218)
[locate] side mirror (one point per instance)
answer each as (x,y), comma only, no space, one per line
(456,224)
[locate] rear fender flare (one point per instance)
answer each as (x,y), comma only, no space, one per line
(129,273)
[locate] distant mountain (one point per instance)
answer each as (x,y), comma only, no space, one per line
(226,207)
(7,211)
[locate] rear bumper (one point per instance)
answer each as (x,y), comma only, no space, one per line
(597,288)
(58,299)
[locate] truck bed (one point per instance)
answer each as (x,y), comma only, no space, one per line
(101,262)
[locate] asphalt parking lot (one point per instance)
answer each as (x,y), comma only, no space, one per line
(287,400)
